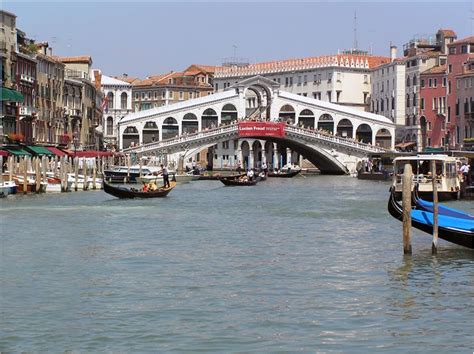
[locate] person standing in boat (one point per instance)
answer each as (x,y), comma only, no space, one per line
(265,168)
(166,180)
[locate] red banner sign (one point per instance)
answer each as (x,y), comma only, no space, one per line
(258,129)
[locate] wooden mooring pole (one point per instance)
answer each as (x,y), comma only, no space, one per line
(434,245)
(406,203)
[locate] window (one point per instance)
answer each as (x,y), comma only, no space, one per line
(452,50)
(329,77)
(464,48)
(329,96)
(156,95)
(190,95)
(287,81)
(163,94)
(408,100)
(299,80)
(143,95)
(305,80)
(422,103)
(338,77)
(435,83)
(366,79)
(430,83)
(457,107)
(225,144)
(444,82)
(181,95)
(408,81)
(450,68)
(449,87)
(422,82)
(471,48)
(291,81)
(414,80)
(434,104)
(123,100)
(217,86)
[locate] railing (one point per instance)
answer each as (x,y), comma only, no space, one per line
(233,128)
(334,139)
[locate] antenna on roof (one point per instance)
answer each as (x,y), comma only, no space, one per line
(356,45)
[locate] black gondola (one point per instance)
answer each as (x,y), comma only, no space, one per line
(452,229)
(237,181)
(127,193)
(284,174)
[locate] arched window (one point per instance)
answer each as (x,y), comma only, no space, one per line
(110,100)
(110,126)
(151,132)
(209,119)
(123,100)
(345,128)
(190,123)
(170,128)
(364,133)
(229,114)
(287,114)
(306,118)
(326,123)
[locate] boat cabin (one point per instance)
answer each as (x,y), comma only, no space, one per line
(447,177)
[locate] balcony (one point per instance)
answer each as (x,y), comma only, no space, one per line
(27,78)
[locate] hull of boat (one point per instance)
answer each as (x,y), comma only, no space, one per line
(451,234)
(284,174)
(375,176)
(128,193)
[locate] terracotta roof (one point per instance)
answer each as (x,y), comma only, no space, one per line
(197,68)
(439,69)
(130,80)
(344,60)
(49,58)
(448,32)
(78,59)
(462,41)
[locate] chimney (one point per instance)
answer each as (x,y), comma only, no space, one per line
(97,79)
(125,75)
(393,52)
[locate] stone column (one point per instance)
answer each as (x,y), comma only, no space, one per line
(251,162)
(264,153)
(276,158)
(288,156)
(374,133)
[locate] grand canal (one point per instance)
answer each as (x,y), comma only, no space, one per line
(308,264)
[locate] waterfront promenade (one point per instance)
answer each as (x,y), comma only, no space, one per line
(307,264)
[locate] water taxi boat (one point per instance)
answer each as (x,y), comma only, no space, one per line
(448,180)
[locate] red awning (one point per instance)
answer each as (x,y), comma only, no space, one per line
(3,153)
(56,151)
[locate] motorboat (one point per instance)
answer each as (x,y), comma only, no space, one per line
(7,187)
(71,178)
(447,178)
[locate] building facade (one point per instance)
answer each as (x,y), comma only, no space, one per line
(343,79)
(10,95)
(161,90)
(118,103)
(433,90)
(465,95)
(50,123)
(388,92)
(83,121)
(459,53)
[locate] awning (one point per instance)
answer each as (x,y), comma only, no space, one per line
(56,151)
(18,152)
(39,150)
(10,95)
(3,153)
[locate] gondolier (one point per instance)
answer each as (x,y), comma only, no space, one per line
(166,181)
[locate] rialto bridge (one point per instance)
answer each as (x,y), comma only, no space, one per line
(253,121)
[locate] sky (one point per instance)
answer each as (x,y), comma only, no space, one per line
(143,38)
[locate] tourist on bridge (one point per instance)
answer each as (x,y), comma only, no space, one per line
(166,181)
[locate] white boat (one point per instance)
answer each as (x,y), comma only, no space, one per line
(80,182)
(447,177)
(7,187)
(158,179)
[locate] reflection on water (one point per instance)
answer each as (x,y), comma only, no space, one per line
(301,264)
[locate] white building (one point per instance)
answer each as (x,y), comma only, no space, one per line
(388,92)
(119,103)
(343,79)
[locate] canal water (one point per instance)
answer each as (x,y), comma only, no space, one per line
(307,264)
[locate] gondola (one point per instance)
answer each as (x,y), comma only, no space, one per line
(235,181)
(284,174)
(123,192)
(421,204)
(450,228)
